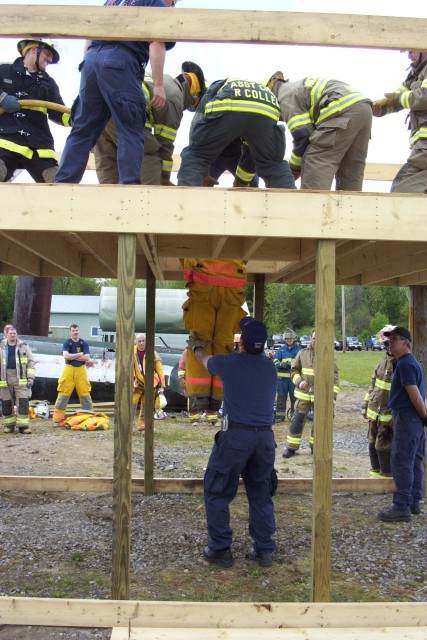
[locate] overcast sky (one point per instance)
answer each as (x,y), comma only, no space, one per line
(371,71)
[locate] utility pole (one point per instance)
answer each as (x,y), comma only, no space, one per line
(343,328)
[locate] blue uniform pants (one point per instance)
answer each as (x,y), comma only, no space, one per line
(249,454)
(285,386)
(209,136)
(110,85)
(407,455)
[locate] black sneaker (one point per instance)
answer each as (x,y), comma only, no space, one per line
(288,453)
(263,558)
(415,508)
(222,558)
(395,515)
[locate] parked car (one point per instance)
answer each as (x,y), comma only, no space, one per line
(353,343)
(377,345)
(337,345)
(304,341)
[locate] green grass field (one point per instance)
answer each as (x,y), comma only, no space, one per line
(357,367)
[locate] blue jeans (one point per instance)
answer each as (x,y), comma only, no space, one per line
(110,85)
(407,457)
(249,454)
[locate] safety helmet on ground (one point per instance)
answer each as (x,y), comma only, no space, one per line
(162,401)
(41,43)
(289,334)
(42,410)
(198,82)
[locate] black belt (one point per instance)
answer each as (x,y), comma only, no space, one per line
(247,427)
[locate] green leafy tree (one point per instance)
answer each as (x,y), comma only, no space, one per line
(378,322)
(7,298)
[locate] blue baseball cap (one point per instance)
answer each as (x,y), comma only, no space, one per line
(253,333)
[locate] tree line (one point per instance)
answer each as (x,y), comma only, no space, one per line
(367,309)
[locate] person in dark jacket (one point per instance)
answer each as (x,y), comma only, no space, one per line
(25,138)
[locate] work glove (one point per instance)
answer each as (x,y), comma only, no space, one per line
(9,103)
(30,382)
(364,413)
(195,341)
(160,390)
(182,383)
(389,104)
(210,182)
(240,184)
(167,183)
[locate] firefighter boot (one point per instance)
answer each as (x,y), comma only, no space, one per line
(384,459)
(375,462)
(294,436)
(59,408)
(49,174)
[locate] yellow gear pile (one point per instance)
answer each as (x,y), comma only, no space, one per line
(86,421)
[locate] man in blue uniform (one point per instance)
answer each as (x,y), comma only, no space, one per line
(245,446)
(407,401)
(111,86)
(284,359)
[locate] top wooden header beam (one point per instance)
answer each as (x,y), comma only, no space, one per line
(211,25)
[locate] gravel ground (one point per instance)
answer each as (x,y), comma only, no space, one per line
(59,545)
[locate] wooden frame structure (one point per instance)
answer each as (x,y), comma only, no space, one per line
(349,238)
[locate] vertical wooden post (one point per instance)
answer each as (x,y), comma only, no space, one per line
(122,469)
(323,419)
(418,328)
(150,324)
(259,296)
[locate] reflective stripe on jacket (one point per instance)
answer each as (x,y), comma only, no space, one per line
(218,273)
(241,96)
(303,369)
(376,399)
(310,102)
(25,365)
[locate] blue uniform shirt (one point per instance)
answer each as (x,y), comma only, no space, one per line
(81,346)
(407,371)
(250,383)
(140,49)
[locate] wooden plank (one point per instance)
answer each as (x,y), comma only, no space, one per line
(122,468)
(150,321)
(368,633)
(185,486)
(263,615)
(261,213)
(195,25)
(323,420)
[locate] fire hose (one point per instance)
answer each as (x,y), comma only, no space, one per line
(43,104)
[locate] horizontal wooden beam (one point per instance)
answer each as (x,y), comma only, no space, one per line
(273,213)
(367,633)
(36,484)
(223,615)
(212,25)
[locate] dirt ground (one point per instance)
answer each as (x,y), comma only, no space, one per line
(59,545)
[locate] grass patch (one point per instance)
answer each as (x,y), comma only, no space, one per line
(356,367)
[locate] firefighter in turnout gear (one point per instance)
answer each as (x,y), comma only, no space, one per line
(139,363)
(233,109)
(302,375)
(17,373)
(284,359)
(74,375)
(412,94)
(377,411)
(161,126)
(216,293)
(25,138)
(330,124)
